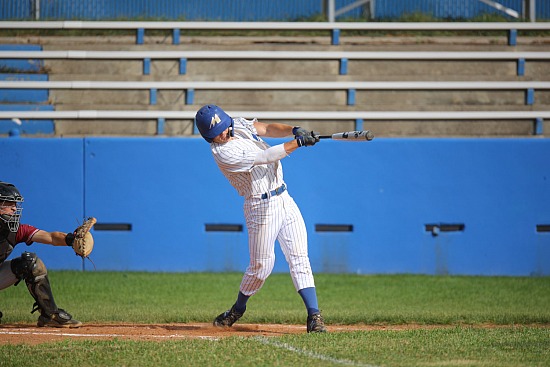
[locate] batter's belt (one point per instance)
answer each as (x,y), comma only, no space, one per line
(278,191)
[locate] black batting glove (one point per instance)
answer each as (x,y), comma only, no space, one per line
(298,131)
(306,141)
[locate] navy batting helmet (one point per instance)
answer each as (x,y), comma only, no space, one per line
(9,193)
(211,121)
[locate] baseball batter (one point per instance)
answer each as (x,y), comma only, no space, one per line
(28,266)
(254,169)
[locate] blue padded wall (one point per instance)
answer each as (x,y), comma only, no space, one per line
(386,192)
(49,173)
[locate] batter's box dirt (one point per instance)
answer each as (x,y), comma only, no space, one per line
(31,334)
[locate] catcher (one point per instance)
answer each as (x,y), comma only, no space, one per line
(28,266)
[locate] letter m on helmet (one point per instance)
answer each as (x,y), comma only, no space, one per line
(215,120)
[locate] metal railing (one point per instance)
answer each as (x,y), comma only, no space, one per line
(342,56)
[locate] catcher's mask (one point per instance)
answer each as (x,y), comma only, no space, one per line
(211,121)
(10,194)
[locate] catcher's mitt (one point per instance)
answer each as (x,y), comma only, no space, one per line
(83,240)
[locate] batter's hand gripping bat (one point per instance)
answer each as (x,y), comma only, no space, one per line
(365,135)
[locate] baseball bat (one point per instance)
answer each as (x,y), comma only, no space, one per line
(365,135)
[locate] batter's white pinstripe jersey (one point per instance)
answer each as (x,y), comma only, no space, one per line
(236,157)
(267,219)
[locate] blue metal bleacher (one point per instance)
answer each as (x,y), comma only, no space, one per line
(32,58)
(21,65)
(28,95)
(33,99)
(26,126)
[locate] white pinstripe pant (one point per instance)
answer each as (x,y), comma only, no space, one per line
(267,220)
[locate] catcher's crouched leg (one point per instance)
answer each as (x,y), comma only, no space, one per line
(30,268)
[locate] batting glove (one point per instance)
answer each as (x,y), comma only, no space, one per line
(306,141)
(298,131)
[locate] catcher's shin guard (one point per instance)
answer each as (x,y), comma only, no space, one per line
(41,291)
(30,268)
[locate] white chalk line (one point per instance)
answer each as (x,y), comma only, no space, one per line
(307,353)
(142,336)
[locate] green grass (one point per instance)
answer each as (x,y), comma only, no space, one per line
(463,305)
(503,347)
(345,298)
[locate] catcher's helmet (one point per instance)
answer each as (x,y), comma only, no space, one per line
(9,193)
(211,121)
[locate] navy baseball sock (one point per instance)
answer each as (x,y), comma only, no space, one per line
(309,295)
(240,305)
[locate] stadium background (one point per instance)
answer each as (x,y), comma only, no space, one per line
(396,205)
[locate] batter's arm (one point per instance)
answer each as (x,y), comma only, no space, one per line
(291,146)
(275,130)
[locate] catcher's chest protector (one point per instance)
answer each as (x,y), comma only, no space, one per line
(6,246)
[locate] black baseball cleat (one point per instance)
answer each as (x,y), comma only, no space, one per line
(228,318)
(60,319)
(315,323)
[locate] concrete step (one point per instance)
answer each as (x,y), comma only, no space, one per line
(106,127)
(288,77)
(454,128)
(381,128)
(297,99)
(301,107)
(288,42)
(287,69)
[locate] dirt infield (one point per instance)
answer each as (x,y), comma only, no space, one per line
(31,334)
